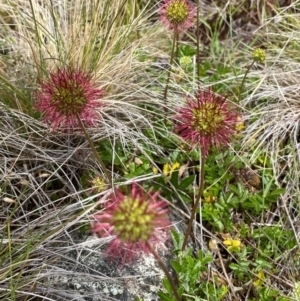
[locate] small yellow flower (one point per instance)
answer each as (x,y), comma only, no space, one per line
(259,279)
(154,170)
(208,197)
(175,166)
(259,55)
(233,245)
(168,169)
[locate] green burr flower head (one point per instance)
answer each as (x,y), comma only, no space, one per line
(177,12)
(259,55)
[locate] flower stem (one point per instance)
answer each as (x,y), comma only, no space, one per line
(201,184)
(92,146)
(198,43)
(169,71)
(243,81)
(165,269)
(177,47)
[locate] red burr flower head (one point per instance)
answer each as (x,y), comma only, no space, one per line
(135,220)
(177,14)
(66,95)
(206,121)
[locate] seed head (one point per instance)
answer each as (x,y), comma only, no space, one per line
(98,184)
(206,121)
(259,55)
(177,14)
(67,94)
(135,220)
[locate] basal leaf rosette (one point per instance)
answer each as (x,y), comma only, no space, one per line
(135,221)
(177,14)
(206,121)
(66,95)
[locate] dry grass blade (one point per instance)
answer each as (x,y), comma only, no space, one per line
(273,117)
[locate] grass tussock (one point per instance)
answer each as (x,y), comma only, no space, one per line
(273,104)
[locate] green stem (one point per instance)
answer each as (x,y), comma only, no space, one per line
(169,71)
(243,81)
(201,184)
(165,269)
(92,146)
(177,47)
(198,43)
